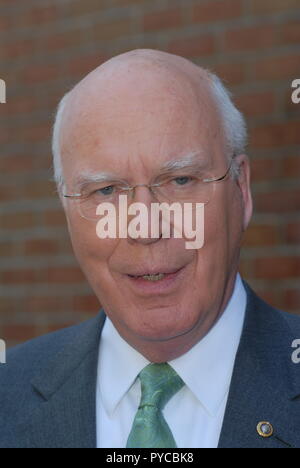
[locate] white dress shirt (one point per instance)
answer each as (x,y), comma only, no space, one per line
(195,414)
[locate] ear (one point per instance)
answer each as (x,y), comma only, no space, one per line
(243,182)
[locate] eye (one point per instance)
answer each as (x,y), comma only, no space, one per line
(182,180)
(106,190)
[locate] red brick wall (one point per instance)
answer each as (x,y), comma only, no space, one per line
(47,46)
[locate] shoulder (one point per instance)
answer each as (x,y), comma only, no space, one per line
(267,327)
(36,350)
(26,360)
(275,316)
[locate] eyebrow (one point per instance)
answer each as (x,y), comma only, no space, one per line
(87,177)
(189,161)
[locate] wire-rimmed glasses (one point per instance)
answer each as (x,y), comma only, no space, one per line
(181,187)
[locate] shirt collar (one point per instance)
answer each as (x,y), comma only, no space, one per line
(206,369)
(119,365)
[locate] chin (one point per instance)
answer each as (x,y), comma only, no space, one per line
(165,327)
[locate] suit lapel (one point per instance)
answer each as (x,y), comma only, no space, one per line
(66,415)
(265,383)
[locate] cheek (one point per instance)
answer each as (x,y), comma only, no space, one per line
(88,248)
(223,225)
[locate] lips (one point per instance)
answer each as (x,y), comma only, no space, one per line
(156,277)
(153,272)
(152,285)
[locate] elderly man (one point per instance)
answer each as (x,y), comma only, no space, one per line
(183,353)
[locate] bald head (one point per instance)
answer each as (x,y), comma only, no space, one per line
(137,82)
(142,64)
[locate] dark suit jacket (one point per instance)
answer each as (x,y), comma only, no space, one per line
(48,385)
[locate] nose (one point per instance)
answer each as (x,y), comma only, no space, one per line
(149,227)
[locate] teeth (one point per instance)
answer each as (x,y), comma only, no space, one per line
(156,277)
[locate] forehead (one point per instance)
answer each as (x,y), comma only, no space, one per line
(135,115)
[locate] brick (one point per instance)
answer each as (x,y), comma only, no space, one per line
(86,303)
(25,276)
(112,30)
(16,163)
(231,73)
(265,169)
(7,305)
(290,32)
(211,11)
(17,49)
(261,235)
(4,136)
(19,333)
(165,19)
(5,23)
(38,189)
(276,68)
(8,193)
(278,201)
(127,2)
(36,304)
(41,14)
(54,218)
(249,38)
(193,46)
(41,73)
(40,132)
(63,40)
(292,299)
(291,166)
(255,104)
(17,220)
(64,275)
(275,135)
(292,235)
(41,247)
(21,104)
(84,64)
(277,267)
(80,8)
(7,249)
(258,7)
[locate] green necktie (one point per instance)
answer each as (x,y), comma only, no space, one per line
(159,382)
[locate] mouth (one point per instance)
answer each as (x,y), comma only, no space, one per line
(154,276)
(150,277)
(156,282)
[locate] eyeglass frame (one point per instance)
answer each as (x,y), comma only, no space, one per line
(80,196)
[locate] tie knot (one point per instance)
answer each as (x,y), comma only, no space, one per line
(159,382)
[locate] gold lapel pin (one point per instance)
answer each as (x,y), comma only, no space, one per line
(265,429)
